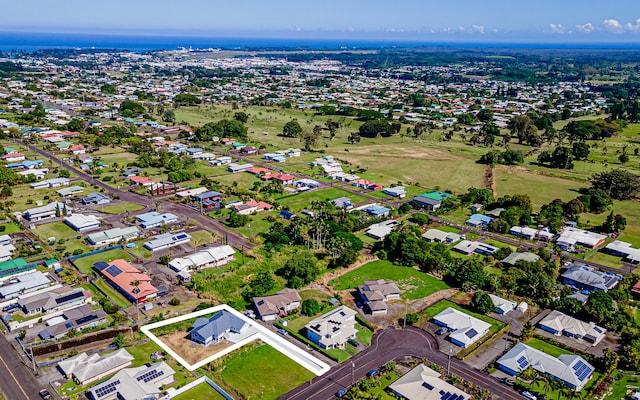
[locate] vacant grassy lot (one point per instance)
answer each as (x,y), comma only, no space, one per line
(444,304)
(121,208)
(199,238)
(58,230)
(85,264)
(202,391)
(548,348)
(414,283)
(297,202)
(112,293)
(541,189)
(10,228)
(250,371)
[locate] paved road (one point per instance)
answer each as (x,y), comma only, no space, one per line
(387,345)
(16,381)
(233,238)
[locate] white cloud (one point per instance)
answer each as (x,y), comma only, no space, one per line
(557,28)
(477,28)
(612,25)
(633,27)
(585,28)
(297,28)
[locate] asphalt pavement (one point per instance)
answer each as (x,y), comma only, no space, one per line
(393,344)
(16,380)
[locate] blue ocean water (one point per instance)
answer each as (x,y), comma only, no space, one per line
(27,41)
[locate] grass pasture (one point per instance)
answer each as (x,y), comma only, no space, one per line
(540,188)
(121,208)
(414,283)
(299,201)
(85,264)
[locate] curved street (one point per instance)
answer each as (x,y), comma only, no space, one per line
(393,344)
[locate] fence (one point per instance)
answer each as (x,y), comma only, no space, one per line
(73,258)
(171,393)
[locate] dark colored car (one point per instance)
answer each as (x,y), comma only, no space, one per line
(353,342)
(373,372)
(341,392)
(441,331)
(44,393)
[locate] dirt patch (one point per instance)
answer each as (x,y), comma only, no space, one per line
(189,350)
(428,301)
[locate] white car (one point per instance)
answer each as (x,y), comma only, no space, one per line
(529,395)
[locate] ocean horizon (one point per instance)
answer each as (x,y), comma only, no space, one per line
(31,41)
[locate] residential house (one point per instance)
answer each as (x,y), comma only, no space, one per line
(503,306)
(465,329)
(377,211)
(235,168)
(525,232)
(15,267)
(570,369)
(96,198)
(213,257)
(77,318)
(22,284)
(140,180)
(479,221)
(258,171)
(288,215)
(38,173)
(50,210)
(50,183)
(625,250)
(342,202)
(333,329)
(141,383)
(423,383)
(468,247)
(222,326)
(13,157)
(380,230)
(191,192)
(84,368)
(120,274)
(153,219)
(426,203)
(167,240)
(251,207)
(54,300)
(564,325)
(70,191)
(514,258)
(570,237)
(586,278)
(26,164)
(82,223)
(308,183)
(224,160)
(396,191)
(128,172)
(269,308)
(274,157)
(376,293)
(249,150)
(285,179)
(113,235)
(77,149)
(436,235)
(209,199)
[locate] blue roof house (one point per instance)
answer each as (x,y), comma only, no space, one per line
(222,326)
(153,219)
(377,211)
(479,220)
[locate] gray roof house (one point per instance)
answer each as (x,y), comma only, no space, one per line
(85,368)
(76,318)
(333,329)
(222,326)
(54,300)
(144,382)
(375,294)
(271,307)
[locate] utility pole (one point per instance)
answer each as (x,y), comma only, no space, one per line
(449,361)
(406,308)
(353,365)
(33,361)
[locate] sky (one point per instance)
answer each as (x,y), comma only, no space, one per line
(615,21)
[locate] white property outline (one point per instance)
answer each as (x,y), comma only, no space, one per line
(282,345)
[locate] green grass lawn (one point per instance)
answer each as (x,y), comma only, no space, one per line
(202,391)
(605,259)
(85,264)
(415,284)
(499,244)
(545,347)
(442,305)
(314,294)
(58,230)
(111,293)
(121,208)
(540,188)
(10,228)
(447,228)
(250,370)
(198,238)
(299,201)
(258,224)
(619,387)
(364,335)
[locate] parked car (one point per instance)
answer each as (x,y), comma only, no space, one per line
(441,331)
(282,332)
(44,393)
(529,395)
(353,342)
(373,372)
(341,392)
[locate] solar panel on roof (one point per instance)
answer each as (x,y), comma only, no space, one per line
(107,389)
(181,236)
(427,386)
(86,319)
(113,271)
(68,325)
(471,333)
(523,362)
(69,297)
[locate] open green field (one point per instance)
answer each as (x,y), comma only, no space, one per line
(26,198)
(299,201)
(541,189)
(202,237)
(444,304)
(258,223)
(202,391)
(58,230)
(85,264)
(499,244)
(251,371)
(545,347)
(605,259)
(10,228)
(414,283)
(314,294)
(121,208)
